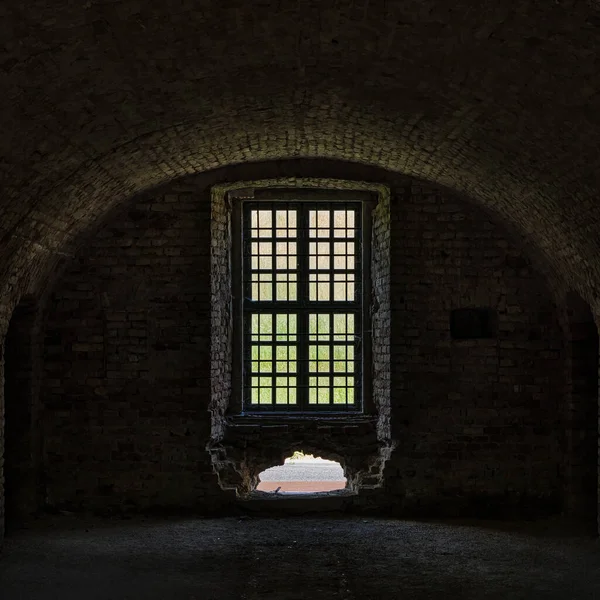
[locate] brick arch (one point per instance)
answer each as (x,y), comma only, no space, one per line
(83,199)
(104,100)
(251,171)
(40,276)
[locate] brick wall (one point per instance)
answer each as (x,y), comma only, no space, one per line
(127,370)
(126,388)
(221,313)
(478,422)
(381,312)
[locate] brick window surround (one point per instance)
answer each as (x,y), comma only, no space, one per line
(226,401)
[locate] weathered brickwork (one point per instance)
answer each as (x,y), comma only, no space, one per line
(380,309)
(251,445)
(479,423)
(221,313)
(240,451)
(126,390)
(128,371)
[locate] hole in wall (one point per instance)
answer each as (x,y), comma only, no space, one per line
(473,323)
(303,474)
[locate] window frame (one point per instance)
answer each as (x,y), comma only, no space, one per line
(286,196)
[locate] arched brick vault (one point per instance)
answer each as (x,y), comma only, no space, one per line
(251,171)
(498,100)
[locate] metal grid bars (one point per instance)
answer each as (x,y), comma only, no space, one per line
(332,351)
(302,306)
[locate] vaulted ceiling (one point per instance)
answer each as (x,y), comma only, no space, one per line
(498,100)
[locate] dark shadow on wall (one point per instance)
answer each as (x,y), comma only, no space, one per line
(582,411)
(20,449)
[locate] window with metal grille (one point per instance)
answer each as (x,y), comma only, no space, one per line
(302,307)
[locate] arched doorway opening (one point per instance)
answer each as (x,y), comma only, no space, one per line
(582,411)
(20,450)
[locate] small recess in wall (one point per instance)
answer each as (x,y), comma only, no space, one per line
(473,323)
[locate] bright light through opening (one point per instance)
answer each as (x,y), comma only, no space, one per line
(303,474)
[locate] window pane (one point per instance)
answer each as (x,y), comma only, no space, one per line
(267,256)
(281,287)
(343,287)
(318,326)
(319,391)
(340,395)
(265,326)
(281,219)
(319,359)
(343,325)
(265,219)
(323,218)
(286,327)
(333,355)
(319,287)
(285,223)
(286,286)
(274,357)
(262,287)
(323,395)
(339,219)
(323,325)
(281,395)
(264,395)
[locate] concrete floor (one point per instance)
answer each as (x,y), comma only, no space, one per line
(297,558)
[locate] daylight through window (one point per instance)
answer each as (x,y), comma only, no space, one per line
(302,306)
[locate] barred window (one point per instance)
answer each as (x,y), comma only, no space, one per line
(302,306)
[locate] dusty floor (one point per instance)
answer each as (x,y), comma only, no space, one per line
(334,558)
